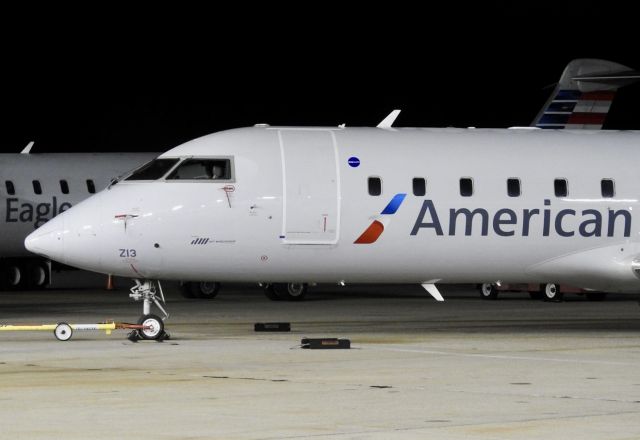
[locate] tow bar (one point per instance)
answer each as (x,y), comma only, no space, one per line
(63,331)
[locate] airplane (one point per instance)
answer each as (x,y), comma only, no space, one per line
(23,207)
(303,205)
(38,186)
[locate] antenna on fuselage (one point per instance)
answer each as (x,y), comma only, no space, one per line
(27,149)
(389,120)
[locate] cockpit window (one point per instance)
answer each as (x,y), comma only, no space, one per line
(153,170)
(202,169)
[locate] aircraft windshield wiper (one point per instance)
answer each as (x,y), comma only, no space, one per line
(113,181)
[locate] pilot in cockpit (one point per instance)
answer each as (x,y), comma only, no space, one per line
(217,172)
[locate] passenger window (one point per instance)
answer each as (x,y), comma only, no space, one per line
(466,187)
(153,170)
(37,188)
(11,190)
(91,187)
(375,186)
(607,187)
(513,187)
(202,169)
(419,186)
(560,187)
(64,187)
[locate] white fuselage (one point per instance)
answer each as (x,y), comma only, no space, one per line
(296,208)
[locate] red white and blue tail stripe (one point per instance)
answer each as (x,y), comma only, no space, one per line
(584,94)
(576,110)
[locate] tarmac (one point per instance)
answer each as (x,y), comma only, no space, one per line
(463,369)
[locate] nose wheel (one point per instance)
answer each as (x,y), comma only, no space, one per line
(152,325)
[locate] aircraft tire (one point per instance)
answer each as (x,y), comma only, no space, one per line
(270,292)
(36,274)
(156,325)
(186,290)
(488,291)
(291,291)
(551,292)
(206,289)
(12,275)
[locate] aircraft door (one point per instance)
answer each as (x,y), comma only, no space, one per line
(310,187)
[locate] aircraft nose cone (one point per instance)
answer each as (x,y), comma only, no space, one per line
(47,240)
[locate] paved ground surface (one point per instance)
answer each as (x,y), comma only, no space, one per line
(466,368)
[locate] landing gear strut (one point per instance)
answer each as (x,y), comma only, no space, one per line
(153,325)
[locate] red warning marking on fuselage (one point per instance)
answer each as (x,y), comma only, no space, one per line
(135,270)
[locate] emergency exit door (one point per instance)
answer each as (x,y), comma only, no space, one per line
(310,186)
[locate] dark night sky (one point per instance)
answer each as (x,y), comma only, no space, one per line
(147,80)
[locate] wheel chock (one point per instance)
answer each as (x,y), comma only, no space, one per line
(272,327)
(325,343)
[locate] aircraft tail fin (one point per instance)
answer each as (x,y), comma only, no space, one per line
(583,96)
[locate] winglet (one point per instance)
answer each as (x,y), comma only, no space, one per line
(389,120)
(27,149)
(433,291)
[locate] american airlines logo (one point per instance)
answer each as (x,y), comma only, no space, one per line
(376,228)
(505,222)
(199,241)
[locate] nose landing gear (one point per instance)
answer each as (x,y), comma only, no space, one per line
(153,325)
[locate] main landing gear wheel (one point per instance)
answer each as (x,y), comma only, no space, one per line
(153,327)
(11,277)
(203,289)
(488,291)
(551,292)
(207,289)
(37,275)
(289,291)
(186,290)
(295,291)
(270,292)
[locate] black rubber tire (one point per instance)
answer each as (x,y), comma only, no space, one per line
(187,290)
(290,291)
(296,291)
(12,276)
(270,292)
(596,296)
(551,292)
(488,291)
(37,275)
(205,289)
(158,327)
(63,331)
